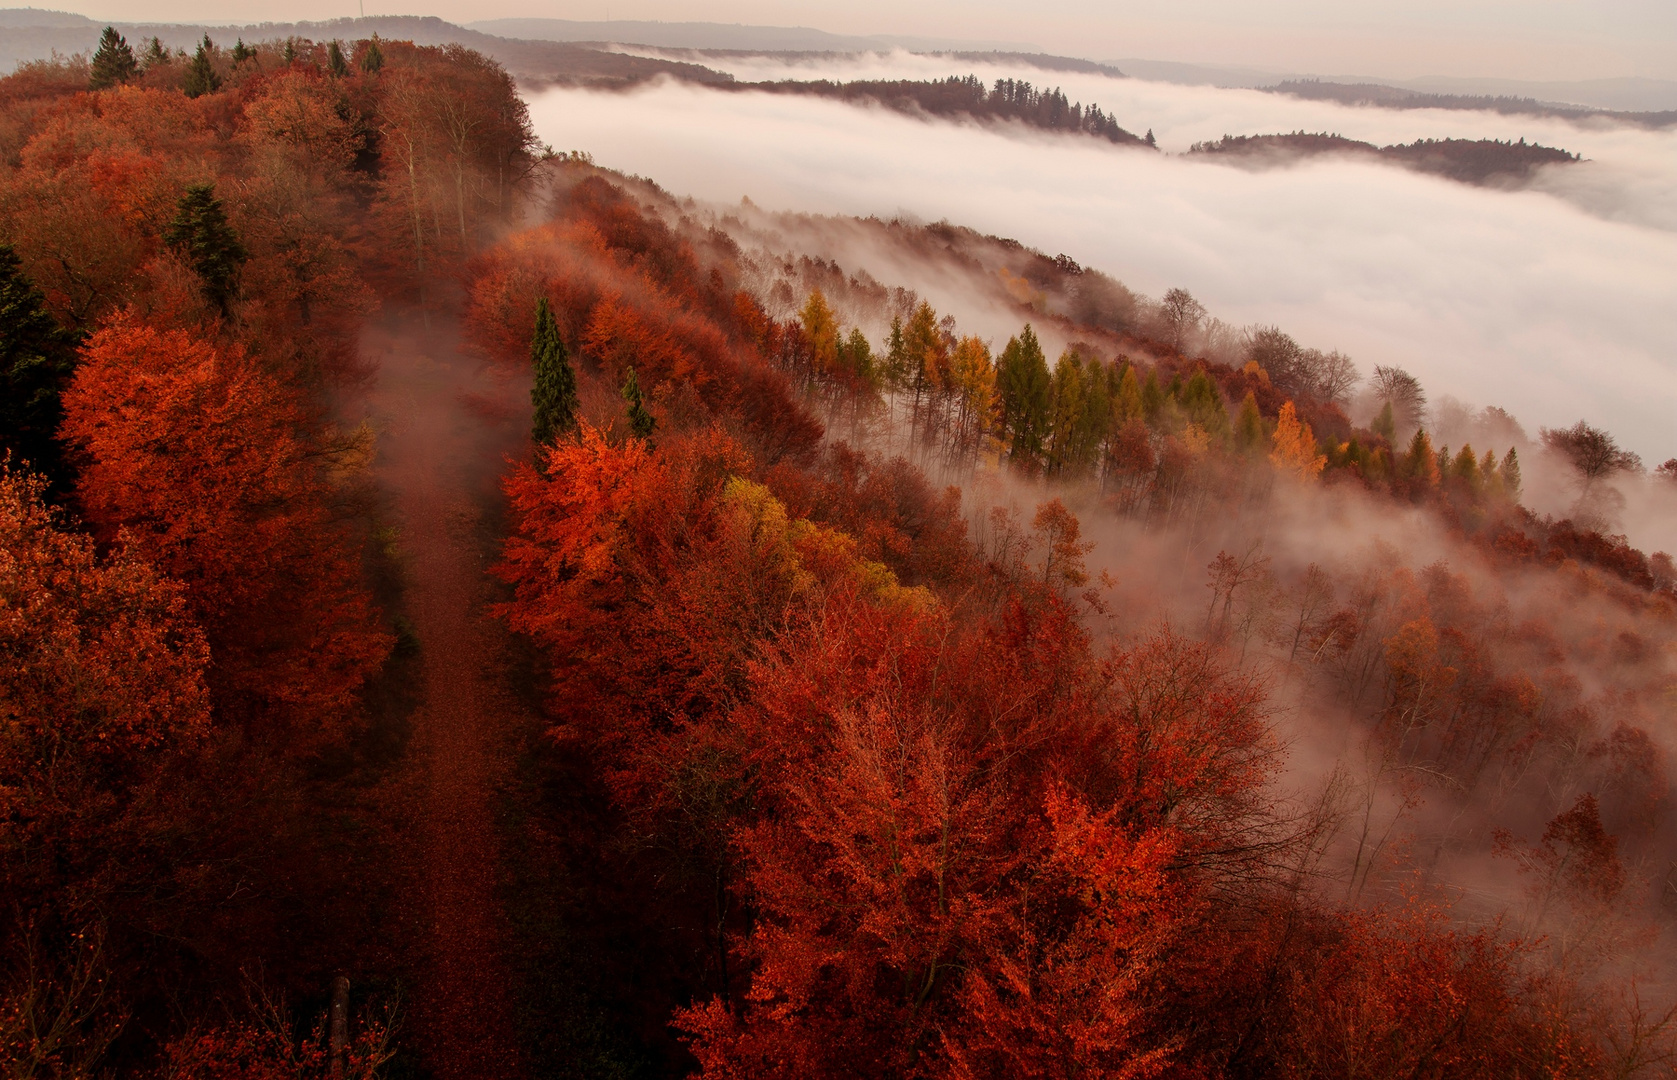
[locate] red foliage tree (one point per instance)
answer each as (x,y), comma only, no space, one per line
(201,461)
(101,687)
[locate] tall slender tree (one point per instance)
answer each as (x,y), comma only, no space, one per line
(372,57)
(1022,387)
(201,76)
(113,62)
(202,236)
(641,422)
(554,394)
(155,53)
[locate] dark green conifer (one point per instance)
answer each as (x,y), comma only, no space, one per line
(1203,403)
(640,421)
(1385,425)
(335,62)
(1152,397)
(242,52)
(372,57)
(36,359)
(289,55)
(1249,425)
(201,77)
(202,236)
(155,54)
(554,394)
(1510,474)
(113,63)
(1024,386)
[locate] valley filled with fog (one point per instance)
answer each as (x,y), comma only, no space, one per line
(1553,301)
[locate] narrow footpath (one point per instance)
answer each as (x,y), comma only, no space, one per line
(444,426)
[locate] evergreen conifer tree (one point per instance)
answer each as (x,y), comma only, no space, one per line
(896,357)
(202,236)
(1385,425)
(1510,473)
(372,57)
(36,360)
(1249,425)
(242,52)
(640,421)
(289,54)
(1152,397)
(201,77)
(155,54)
(113,63)
(335,62)
(1024,386)
(554,394)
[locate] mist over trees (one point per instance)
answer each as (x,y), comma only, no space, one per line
(900,701)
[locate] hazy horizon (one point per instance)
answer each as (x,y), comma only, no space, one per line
(1545,41)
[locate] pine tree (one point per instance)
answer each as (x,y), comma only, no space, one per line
(289,55)
(1510,473)
(155,54)
(896,357)
(1152,397)
(113,63)
(1203,403)
(640,421)
(1385,425)
(372,57)
(201,77)
(242,52)
(554,394)
(1249,425)
(36,360)
(1420,464)
(1024,385)
(202,236)
(335,62)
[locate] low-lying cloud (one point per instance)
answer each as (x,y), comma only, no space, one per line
(1553,302)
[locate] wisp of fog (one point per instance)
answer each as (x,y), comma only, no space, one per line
(1553,302)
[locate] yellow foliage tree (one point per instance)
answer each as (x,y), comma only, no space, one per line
(821,327)
(1295,446)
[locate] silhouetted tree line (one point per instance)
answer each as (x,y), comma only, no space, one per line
(1008,99)
(1471,161)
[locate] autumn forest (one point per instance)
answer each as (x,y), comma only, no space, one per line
(469,612)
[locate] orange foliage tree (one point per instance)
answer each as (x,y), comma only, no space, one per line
(201,461)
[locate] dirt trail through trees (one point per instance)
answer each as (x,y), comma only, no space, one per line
(444,426)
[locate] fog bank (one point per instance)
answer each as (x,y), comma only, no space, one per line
(1517,299)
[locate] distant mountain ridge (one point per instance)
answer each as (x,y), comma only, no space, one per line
(1628,94)
(728,36)
(1392,97)
(32,34)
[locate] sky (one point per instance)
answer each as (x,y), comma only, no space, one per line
(1552,302)
(1508,39)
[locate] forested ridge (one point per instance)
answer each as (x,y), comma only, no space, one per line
(905,703)
(1473,161)
(1392,97)
(1008,99)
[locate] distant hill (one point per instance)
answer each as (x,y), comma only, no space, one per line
(31,34)
(728,36)
(1392,97)
(1635,95)
(1009,99)
(1470,161)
